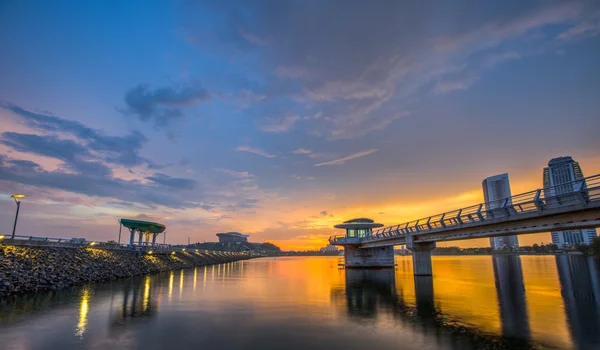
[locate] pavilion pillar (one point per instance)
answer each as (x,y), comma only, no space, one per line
(421,253)
(131,237)
(140,237)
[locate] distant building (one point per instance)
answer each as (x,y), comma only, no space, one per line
(564,171)
(232,237)
(495,190)
(328,249)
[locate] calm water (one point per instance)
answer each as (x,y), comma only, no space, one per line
(309,303)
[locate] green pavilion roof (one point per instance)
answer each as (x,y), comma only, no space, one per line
(143,226)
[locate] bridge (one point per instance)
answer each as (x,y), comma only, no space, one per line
(569,206)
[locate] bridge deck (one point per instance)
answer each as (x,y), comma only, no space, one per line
(572,205)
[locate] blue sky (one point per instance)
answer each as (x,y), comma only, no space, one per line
(281,118)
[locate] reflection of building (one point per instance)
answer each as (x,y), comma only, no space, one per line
(232,237)
(580,284)
(510,289)
(563,171)
(495,190)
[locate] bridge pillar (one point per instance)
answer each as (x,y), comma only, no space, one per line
(421,257)
(368,257)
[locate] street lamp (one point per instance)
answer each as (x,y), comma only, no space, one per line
(17,198)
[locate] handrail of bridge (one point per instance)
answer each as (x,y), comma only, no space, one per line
(78,242)
(580,191)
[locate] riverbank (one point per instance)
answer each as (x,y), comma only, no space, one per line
(31,269)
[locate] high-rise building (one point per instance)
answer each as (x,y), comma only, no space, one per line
(495,190)
(564,171)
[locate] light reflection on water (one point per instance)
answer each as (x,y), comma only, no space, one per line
(502,301)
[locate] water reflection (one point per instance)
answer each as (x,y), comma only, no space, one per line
(580,289)
(473,302)
(83,312)
(133,300)
(510,289)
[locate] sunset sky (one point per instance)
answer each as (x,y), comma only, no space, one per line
(282,118)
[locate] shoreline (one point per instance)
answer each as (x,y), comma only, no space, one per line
(32,269)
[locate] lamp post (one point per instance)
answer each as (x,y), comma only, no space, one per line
(17,198)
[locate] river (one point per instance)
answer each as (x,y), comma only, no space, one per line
(503,301)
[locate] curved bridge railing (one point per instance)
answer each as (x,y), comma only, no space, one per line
(579,192)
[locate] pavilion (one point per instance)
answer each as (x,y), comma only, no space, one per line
(143,228)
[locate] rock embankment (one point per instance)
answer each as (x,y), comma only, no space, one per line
(29,269)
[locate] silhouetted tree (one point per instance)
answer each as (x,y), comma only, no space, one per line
(584,248)
(595,245)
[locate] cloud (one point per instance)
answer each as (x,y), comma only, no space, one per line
(162,105)
(350,157)
(88,158)
(238,174)
(252,38)
(172,182)
(360,69)
(279,124)
(302,151)
(122,150)
(254,150)
(90,183)
(580,30)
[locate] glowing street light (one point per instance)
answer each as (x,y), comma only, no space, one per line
(17,197)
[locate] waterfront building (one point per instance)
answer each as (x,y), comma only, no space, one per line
(357,229)
(565,171)
(495,190)
(228,237)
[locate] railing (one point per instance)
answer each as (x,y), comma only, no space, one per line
(78,242)
(580,191)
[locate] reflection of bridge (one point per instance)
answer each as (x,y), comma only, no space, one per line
(574,205)
(371,292)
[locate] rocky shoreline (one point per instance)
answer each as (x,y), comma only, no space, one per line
(31,269)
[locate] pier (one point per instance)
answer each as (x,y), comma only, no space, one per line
(569,206)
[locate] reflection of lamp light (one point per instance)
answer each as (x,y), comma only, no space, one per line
(2,237)
(17,197)
(83,311)
(146,293)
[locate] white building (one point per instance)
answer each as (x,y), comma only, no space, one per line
(495,190)
(564,170)
(329,248)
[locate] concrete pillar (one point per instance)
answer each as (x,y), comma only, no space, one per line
(131,237)
(140,238)
(421,257)
(368,257)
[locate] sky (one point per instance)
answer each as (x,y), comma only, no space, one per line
(280,119)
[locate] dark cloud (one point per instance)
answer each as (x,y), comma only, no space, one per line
(93,184)
(172,182)
(163,105)
(49,146)
(122,150)
(88,156)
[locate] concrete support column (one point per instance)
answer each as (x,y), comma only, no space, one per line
(140,238)
(421,256)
